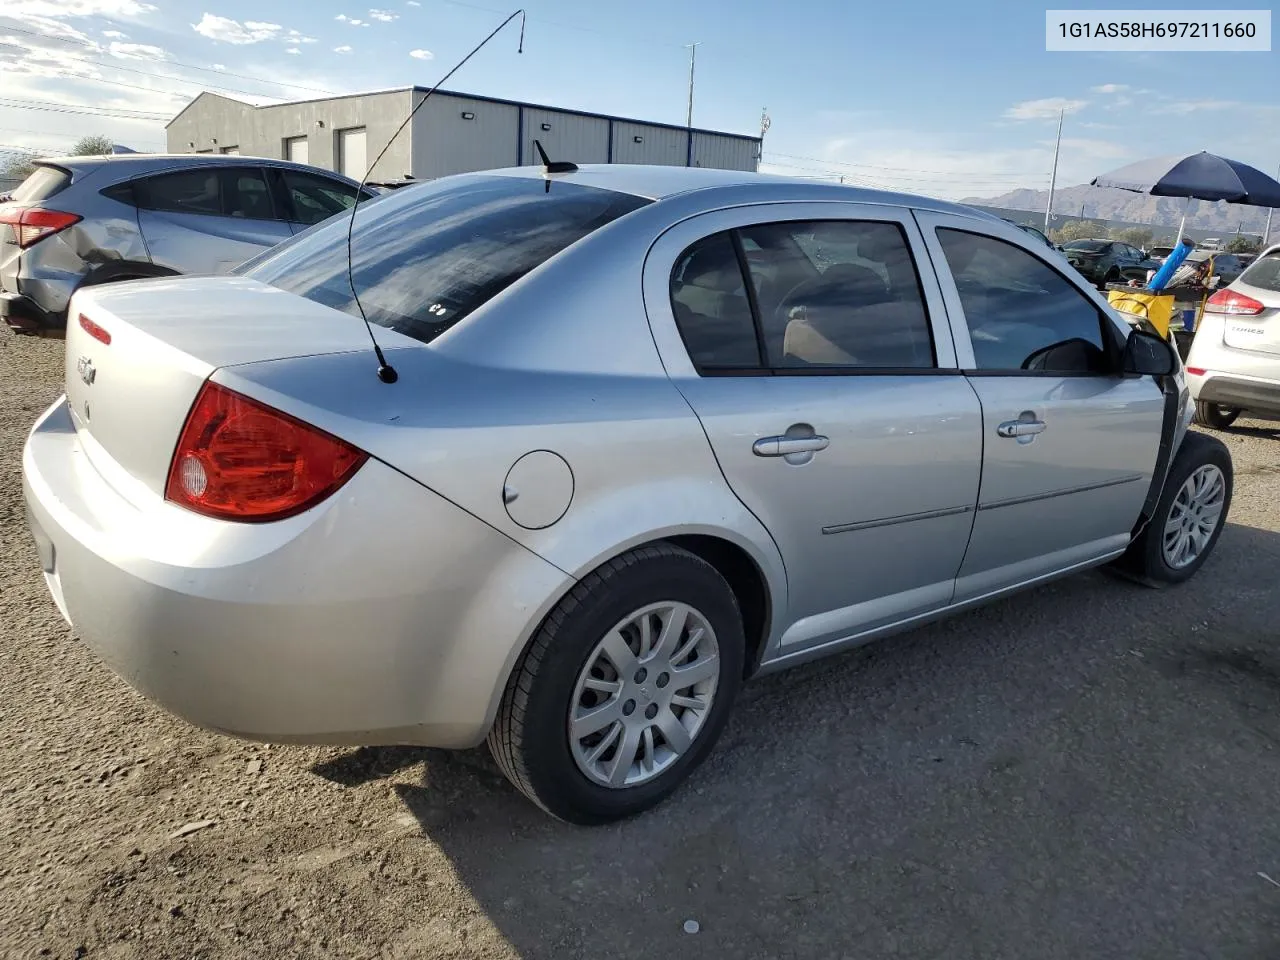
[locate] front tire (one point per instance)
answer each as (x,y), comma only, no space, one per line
(1188,519)
(624,689)
(1216,415)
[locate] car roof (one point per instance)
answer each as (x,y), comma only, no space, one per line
(661,182)
(133,164)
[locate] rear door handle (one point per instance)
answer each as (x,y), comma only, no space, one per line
(1020,428)
(786,446)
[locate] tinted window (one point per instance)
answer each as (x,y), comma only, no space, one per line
(424,258)
(191,191)
(1264,273)
(316,198)
(711,308)
(1021,314)
(839,293)
(246,194)
(41,184)
(1087,246)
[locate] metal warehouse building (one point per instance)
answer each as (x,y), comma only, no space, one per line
(452,133)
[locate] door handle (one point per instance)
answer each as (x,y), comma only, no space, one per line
(1020,428)
(787,446)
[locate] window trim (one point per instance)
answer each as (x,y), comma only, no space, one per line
(1112,337)
(765,368)
(144,181)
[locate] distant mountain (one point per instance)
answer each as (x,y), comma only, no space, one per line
(1104,203)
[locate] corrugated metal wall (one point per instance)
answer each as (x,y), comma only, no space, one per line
(724,153)
(661,145)
(569,137)
(444,143)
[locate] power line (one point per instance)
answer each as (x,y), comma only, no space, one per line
(81,109)
(69,136)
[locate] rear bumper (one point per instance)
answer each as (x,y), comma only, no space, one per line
(23,315)
(1247,379)
(384,615)
(1259,396)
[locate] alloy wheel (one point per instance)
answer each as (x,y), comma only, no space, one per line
(1194,516)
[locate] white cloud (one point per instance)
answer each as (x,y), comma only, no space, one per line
(422,54)
(384,15)
(293,36)
(1111,88)
(293,50)
(137,51)
(341,17)
(342,49)
(218,66)
(115,35)
(414,3)
(76,8)
(1194,106)
(233,31)
(1046,109)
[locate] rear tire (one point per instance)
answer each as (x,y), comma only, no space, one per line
(1216,415)
(568,673)
(1188,519)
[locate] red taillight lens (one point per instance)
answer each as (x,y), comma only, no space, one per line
(1233,302)
(94,330)
(1196,371)
(238,459)
(32,224)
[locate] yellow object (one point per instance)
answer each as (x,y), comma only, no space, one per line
(1155,308)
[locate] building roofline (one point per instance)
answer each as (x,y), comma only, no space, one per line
(483,99)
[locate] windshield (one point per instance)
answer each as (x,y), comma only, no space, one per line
(1087,246)
(425,258)
(1264,273)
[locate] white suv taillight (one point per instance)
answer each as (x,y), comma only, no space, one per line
(1233,302)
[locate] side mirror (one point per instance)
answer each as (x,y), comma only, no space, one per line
(1149,355)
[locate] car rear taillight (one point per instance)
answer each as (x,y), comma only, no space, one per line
(238,459)
(32,224)
(1233,302)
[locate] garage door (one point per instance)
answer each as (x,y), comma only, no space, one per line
(296,150)
(351,153)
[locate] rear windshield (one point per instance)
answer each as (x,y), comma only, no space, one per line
(1264,273)
(42,184)
(1087,246)
(425,258)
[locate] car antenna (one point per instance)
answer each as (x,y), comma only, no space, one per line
(386,372)
(553,166)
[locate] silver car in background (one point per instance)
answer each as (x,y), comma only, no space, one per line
(84,221)
(1234,362)
(642,433)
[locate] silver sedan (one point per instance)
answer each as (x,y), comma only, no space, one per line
(630,437)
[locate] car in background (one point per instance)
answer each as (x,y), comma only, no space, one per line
(83,221)
(1234,361)
(630,436)
(1107,261)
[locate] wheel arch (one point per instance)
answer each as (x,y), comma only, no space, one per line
(115,270)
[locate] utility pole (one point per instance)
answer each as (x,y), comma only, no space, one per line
(693,55)
(1266,232)
(1053,177)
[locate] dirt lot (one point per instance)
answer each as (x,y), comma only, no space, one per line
(1092,770)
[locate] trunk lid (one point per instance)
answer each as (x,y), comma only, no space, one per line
(1259,332)
(130,397)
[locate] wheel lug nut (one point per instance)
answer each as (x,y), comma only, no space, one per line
(628,708)
(651,711)
(664,679)
(641,675)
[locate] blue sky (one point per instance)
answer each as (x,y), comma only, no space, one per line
(944,99)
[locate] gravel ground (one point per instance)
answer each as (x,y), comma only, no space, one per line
(1091,770)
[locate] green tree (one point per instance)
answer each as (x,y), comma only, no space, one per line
(1134,236)
(92,146)
(1243,244)
(17,166)
(1078,230)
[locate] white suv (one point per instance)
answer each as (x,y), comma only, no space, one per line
(1234,362)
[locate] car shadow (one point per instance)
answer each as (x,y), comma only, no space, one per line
(1060,774)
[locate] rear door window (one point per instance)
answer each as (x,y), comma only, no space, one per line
(189,191)
(316,198)
(245,194)
(423,259)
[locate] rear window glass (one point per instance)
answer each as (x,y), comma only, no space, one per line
(1087,246)
(423,259)
(1264,273)
(42,184)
